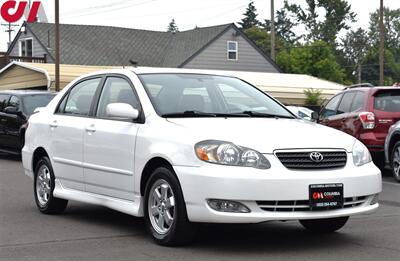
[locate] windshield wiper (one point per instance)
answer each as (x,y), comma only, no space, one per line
(265,115)
(189,114)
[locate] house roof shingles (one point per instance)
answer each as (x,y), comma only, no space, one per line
(113,46)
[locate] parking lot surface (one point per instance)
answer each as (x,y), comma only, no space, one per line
(86,232)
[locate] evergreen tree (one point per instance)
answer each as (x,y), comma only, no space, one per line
(250,17)
(172,27)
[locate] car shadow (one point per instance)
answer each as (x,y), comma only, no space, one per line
(266,237)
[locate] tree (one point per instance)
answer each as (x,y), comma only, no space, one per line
(355,46)
(316,59)
(284,26)
(172,27)
(337,16)
(250,17)
(262,38)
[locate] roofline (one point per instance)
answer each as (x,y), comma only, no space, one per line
(232,25)
(43,46)
(205,46)
(29,67)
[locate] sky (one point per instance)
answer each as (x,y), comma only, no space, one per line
(156,14)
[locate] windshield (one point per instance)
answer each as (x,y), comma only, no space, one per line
(36,101)
(208,95)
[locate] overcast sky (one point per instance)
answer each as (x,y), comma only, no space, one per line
(156,14)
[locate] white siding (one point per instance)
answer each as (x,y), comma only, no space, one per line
(37,48)
(215,56)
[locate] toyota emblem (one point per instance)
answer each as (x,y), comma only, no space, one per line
(316,157)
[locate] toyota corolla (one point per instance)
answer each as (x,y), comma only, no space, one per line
(184,147)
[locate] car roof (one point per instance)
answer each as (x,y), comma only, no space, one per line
(150,70)
(25,92)
(367,89)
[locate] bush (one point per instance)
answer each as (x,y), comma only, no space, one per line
(313,97)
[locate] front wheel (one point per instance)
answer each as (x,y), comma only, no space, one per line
(165,211)
(395,161)
(43,185)
(324,225)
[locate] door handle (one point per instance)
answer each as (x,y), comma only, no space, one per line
(91,128)
(3,120)
(54,124)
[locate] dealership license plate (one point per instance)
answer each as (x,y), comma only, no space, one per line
(326,195)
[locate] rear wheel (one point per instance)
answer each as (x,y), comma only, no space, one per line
(324,225)
(395,161)
(44,183)
(165,210)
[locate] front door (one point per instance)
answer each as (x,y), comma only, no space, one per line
(67,130)
(3,120)
(109,144)
(13,126)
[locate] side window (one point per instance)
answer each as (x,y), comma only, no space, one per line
(330,108)
(3,101)
(79,99)
(116,90)
(14,102)
(345,104)
(358,102)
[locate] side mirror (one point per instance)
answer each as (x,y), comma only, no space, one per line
(122,111)
(315,116)
(12,110)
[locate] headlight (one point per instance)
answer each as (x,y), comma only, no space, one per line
(227,153)
(361,154)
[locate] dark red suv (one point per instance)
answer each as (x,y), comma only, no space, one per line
(365,113)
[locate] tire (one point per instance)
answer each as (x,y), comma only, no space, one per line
(169,224)
(43,187)
(324,225)
(395,161)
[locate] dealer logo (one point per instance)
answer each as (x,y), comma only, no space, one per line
(317,157)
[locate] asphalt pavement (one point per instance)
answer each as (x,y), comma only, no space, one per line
(87,232)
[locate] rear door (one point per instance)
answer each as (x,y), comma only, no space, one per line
(66,132)
(344,119)
(329,112)
(3,120)
(386,107)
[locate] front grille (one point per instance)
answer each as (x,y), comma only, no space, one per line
(302,160)
(304,205)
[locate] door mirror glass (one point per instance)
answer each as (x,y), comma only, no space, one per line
(122,111)
(314,116)
(12,110)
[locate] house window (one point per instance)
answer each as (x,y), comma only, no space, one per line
(232,51)
(26,48)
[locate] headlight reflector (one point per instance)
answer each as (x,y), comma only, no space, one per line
(227,153)
(361,155)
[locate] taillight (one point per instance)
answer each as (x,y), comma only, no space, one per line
(368,120)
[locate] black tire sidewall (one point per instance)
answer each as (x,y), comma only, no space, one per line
(44,161)
(180,208)
(392,162)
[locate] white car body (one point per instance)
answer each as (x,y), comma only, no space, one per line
(301,112)
(102,161)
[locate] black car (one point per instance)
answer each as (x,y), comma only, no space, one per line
(15,109)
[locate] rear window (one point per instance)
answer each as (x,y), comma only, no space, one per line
(387,101)
(36,101)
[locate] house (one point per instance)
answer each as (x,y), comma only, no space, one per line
(287,88)
(222,47)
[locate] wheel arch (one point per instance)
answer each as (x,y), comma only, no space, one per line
(148,169)
(39,153)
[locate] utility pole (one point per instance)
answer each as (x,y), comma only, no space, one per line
(272,30)
(9,30)
(57,44)
(381,47)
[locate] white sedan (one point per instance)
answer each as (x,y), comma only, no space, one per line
(176,147)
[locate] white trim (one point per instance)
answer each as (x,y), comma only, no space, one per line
(24,40)
(232,51)
(29,67)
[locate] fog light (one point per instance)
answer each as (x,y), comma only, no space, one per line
(227,206)
(375,199)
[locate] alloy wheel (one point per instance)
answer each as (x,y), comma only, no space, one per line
(43,185)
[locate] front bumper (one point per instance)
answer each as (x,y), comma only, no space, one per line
(248,185)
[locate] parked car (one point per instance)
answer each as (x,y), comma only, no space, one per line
(15,109)
(174,147)
(392,150)
(365,113)
(302,112)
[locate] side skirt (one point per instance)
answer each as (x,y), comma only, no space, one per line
(133,208)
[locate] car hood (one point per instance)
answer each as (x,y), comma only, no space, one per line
(266,135)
